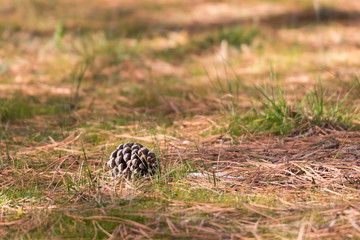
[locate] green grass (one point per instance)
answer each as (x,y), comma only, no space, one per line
(276,115)
(321,108)
(21,107)
(30,193)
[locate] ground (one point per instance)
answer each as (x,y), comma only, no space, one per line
(252,108)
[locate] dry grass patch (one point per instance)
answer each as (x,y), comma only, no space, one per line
(181,81)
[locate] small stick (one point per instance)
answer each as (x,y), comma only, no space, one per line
(214,177)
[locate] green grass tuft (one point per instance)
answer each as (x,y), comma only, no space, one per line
(275,114)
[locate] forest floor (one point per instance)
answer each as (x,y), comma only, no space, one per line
(251,106)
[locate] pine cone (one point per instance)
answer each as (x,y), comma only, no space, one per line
(132,158)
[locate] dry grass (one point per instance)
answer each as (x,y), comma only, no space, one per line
(305,186)
(179,77)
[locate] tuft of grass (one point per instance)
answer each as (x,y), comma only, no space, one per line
(228,92)
(275,114)
(357,84)
(59,34)
(320,109)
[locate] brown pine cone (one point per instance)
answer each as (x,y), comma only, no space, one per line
(133,159)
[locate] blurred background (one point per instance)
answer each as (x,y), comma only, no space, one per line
(106,65)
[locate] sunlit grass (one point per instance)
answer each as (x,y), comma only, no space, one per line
(121,75)
(277,115)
